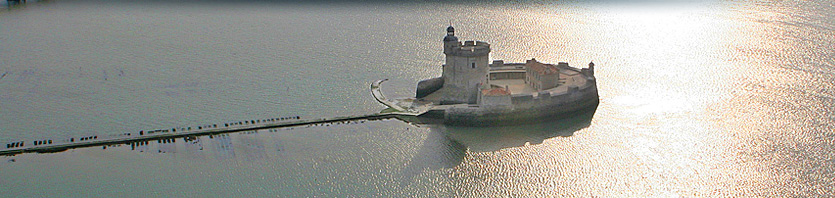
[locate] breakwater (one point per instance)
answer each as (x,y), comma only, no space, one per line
(50,146)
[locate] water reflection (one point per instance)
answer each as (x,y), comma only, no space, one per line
(167,145)
(446,146)
(487,139)
(437,151)
(249,146)
(252,145)
(192,147)
(223,146)
(13,4)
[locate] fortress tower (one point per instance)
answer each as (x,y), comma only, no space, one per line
(466,69)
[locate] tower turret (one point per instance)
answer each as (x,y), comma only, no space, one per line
(450,41)
(465,70)
(591,68)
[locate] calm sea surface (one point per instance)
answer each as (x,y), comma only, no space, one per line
(717,98)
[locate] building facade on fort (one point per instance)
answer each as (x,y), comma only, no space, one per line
(541,76)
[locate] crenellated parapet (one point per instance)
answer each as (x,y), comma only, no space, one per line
(468,49)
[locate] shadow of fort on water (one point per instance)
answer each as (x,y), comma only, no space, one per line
(458,140)
(488,139)
(447,146)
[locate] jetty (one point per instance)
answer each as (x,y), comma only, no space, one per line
(53,145)
(58,145)
(50,146)
(403,107)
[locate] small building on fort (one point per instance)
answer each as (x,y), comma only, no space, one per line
(541,76)
(497,97)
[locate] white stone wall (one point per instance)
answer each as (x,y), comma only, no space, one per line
(463,74)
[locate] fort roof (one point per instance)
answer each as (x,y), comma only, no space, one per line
(540,68)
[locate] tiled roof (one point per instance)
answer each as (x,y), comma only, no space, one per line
(495,92)
(540,68)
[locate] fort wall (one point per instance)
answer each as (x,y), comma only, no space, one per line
(429,86)
(527,107)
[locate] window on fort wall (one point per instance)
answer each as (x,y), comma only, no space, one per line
(473,65)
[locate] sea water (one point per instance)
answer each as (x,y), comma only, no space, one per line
(716,98)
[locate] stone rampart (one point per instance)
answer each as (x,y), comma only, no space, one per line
(428,86)
(527,107)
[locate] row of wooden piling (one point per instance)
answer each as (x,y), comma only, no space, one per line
(187,133)
(14,144)
(143,132)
